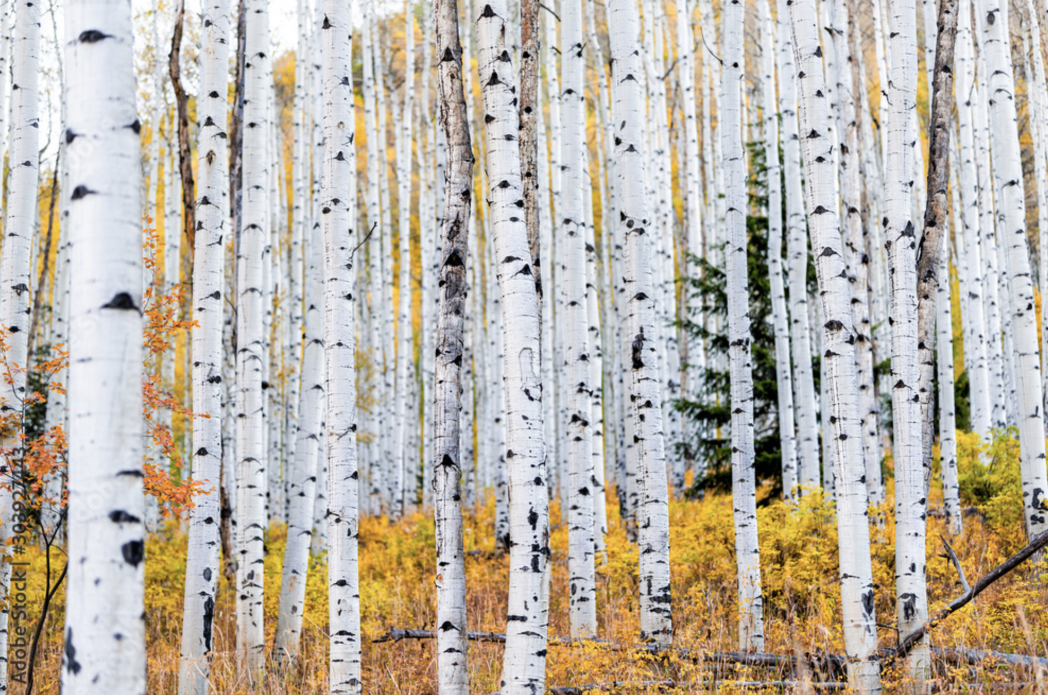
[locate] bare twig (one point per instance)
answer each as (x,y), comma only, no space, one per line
(1035,545)
(708,49)
(550,10)
(952,555)
(363,241)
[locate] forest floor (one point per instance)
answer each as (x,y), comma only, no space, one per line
(800,587)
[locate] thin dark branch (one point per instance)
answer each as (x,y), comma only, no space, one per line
(363,241)
(1038,543)
(672,66)
(952,555)
(708,49)
(547,9)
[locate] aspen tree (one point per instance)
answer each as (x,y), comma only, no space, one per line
(406,408)
(951,492)
(320,504)
(639,344)
(1034,65)
(797,264)
(1011,211)
(452,643)
(300,225)
(375,463)
(743,490)
(5,68)
(850,178)
(864,179)
(251,356)
(976,345)
(303,472)
(105,649)
(838,356)
(525,656)
(16,262)
(202,560)
(337,215)
(988,234)
(910,495)
(576,350)
(784,378)
(693,242)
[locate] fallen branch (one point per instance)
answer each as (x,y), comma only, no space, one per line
(968,656)
(907,644)
(833,662)
(716,685)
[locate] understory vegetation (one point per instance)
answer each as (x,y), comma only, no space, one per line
(800,583)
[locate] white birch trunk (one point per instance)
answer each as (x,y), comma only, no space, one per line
(783,374)
(596,370)
(105,650)
(652,513)
(17,266)
(797,265)
(251,355)
(743,489)
(1011,211)
(302,479)
(979,373)
(838,351)
(406,408)
(951,492)
(910,495)
(452,642)
(338,210)
(212,214)
(525,656)
(576,352)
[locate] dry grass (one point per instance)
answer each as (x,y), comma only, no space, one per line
(800,589)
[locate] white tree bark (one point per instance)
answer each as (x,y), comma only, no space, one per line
(783,373)
(596,371)
(1011,212)
(910,495)
(251,355)
(1034,64)
(639,345)
(576,352)
(525,656)
(406,408)
(302,488)
(212,214)
(452,642)
(838,357)
(797,265)
(338,211)
(951,492)
(105,650)
(743,476)
(976,345)
(16,265)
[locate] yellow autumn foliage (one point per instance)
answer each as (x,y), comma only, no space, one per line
(800,588)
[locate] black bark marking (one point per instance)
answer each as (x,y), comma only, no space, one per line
(121,300)
(133,552)
(94,36)
(120,516)
(70,653)
(209,618)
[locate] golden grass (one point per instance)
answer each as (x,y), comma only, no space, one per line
(801,610)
